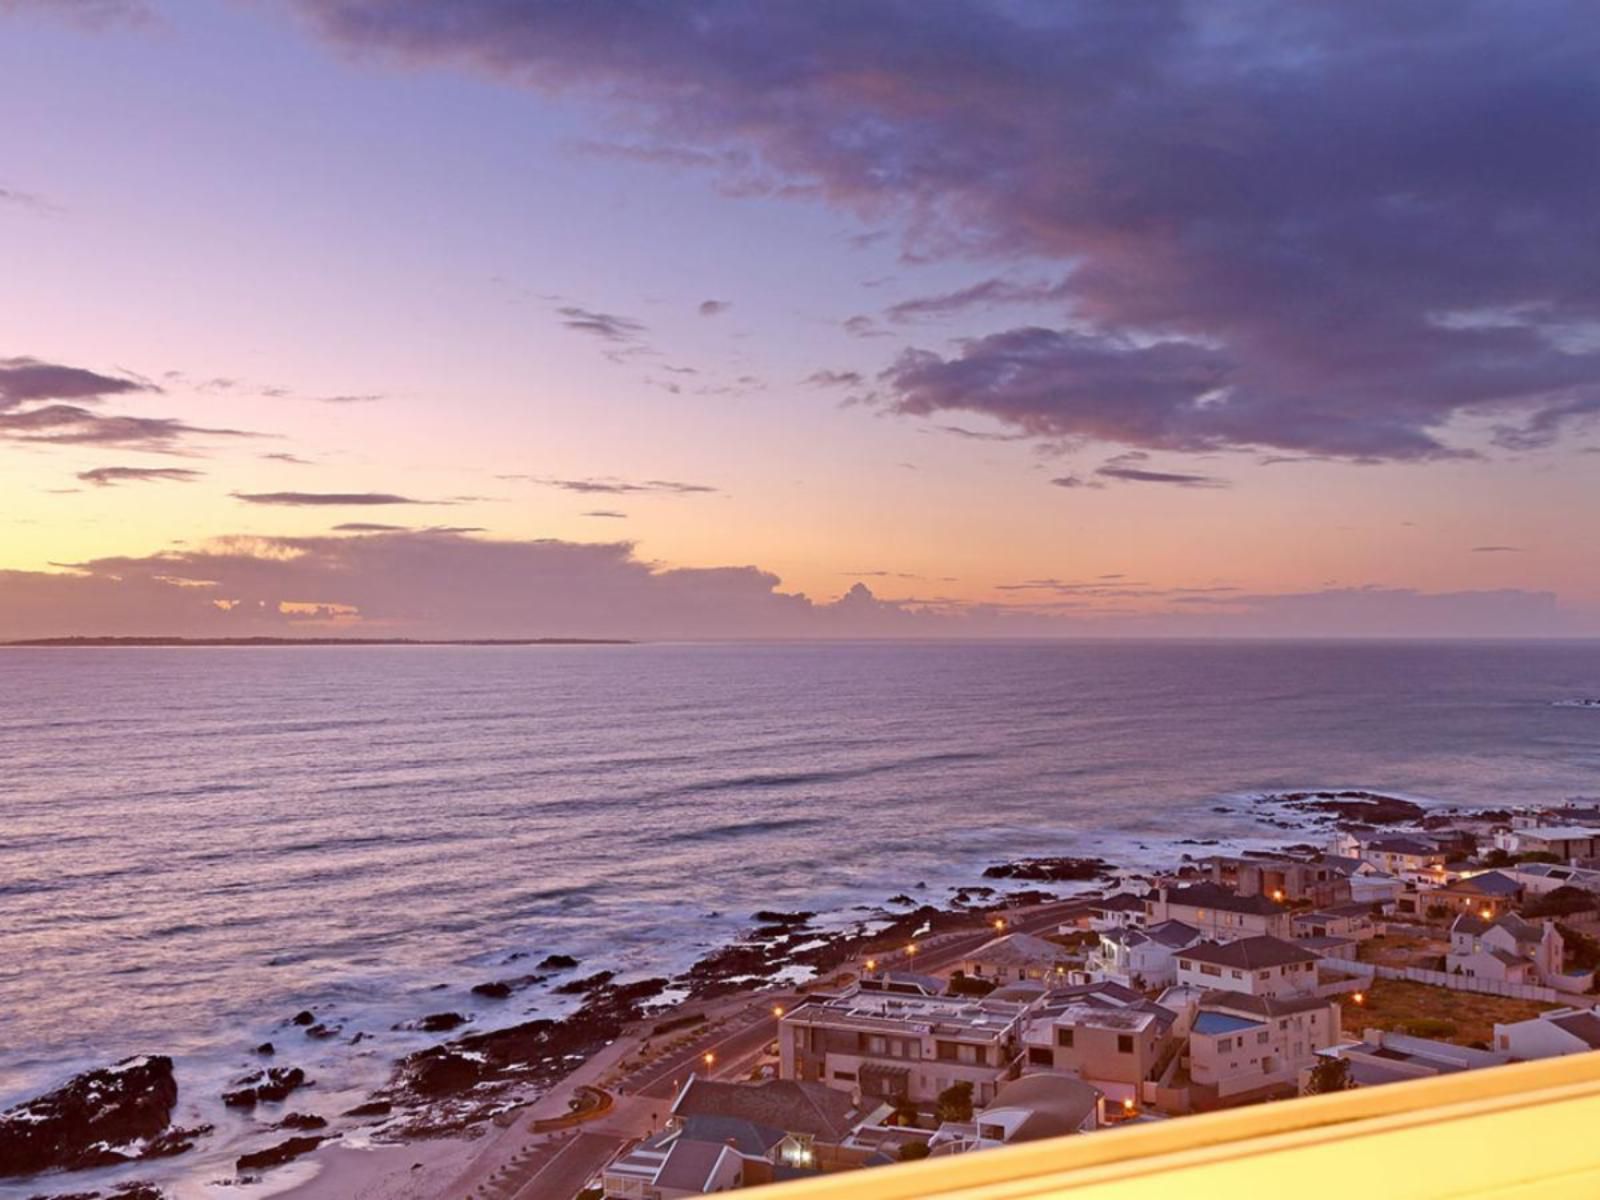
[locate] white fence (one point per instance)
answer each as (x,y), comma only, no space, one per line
(1472,983)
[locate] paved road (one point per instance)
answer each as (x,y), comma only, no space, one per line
(569,1168)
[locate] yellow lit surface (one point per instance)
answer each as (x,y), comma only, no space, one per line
(1522,1131)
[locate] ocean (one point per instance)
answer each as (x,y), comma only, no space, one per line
(196,843)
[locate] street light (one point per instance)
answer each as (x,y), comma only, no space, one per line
(872,964)
(709,1059)
(999,924)
(777,1010)
(1359,997)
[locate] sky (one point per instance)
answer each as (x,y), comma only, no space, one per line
(515,318)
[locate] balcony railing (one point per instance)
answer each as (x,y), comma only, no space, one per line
(1520,1132)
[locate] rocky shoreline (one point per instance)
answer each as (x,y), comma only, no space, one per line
(123,1114)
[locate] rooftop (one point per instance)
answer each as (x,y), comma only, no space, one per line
(1490,883)
(1262,1006)
(1403,845)
(952,1016)
(1018,949)
(790,1105)
(1560,833)
(1209,895)
(1250,954)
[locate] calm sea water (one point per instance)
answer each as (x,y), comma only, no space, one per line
(195,843)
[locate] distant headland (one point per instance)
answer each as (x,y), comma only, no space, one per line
(281,641)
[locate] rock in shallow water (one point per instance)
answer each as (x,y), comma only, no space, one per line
(272,1156)
(275,1083)
(114,1115)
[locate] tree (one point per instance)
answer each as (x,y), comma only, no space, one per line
(913,1150)
(1329,1075)
(1497,858)
(905,1112)
(955,1102)
(1561,902)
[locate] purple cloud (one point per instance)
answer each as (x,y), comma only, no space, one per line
(1278,230)
(607,326)
(110,476)
(617,487)
(712,308)
(23,380)
(440,584)
(328,499)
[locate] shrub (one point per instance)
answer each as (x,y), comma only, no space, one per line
(1562,902)
(1430,1027)
(912,1151)
(1329,1075)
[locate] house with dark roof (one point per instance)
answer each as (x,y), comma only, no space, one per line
(1117,912)
(1488,895)
(1511,949)
(1556,1032)
(810,1112)
(672,1165)
(1024,1110)
(1254,966)
(1217,912)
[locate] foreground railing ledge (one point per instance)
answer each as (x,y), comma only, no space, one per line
(1521,1131)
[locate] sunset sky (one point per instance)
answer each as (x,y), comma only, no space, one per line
(501,318)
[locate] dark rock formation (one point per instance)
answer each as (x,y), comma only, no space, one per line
(303,1017)
(1358,807)
(558,962)
(272,1084)
(497,989)
(581,987)
(440,1022)
(273,1156)
(266,1049)
(85,1122)
(1051,870)
(372,1108)
(303,1121)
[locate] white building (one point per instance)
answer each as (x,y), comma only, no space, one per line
(1252,1046)
(1024,1110)
(1255,966)
(1141,958)
(1556,1032)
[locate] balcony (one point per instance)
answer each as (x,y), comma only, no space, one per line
(1518,1132)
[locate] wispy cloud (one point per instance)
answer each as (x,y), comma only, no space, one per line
(328,499)
(617,487)
(109,476)
(1498,549)
(608,513)
(712,308)
(607,326)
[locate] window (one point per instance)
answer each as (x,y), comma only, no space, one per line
(1236,974)
(1064,1038)
(1040,1056)
(1208,969)
(1124,1043)
(844,1075)
(1224,1045)
(1261,1038)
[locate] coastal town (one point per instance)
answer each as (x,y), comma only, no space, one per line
(1387,954)
(1063,996)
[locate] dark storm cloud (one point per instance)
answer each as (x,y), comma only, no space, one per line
(329,499)
(1320,229)
(110,476)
